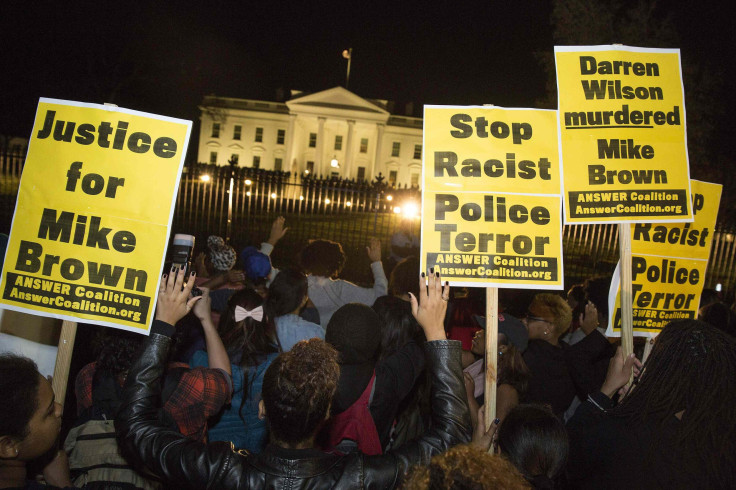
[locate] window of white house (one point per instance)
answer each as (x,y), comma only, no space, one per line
(256,161)
(395,149)
(237,130)
(215,130)
(361,173)
(338,142)
(213,157)
(259,135)
(415,180)
(278,164)
(392,175)
(280,136)
(310,167)
(364,145)
(417,152)
(312,140)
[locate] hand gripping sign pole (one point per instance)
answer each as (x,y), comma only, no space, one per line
(491,356)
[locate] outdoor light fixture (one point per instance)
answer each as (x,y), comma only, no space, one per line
(204,178)
(327,201)
(273,195)
(334,163)
(411,210)
(247,193)
(389,198)
(348,204)
(397,210)
(306,172)
(301,198)
(248,182)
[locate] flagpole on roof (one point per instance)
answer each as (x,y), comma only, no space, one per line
(347,54)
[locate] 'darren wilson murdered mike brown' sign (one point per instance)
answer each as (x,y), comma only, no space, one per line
(491,206)
(622,134)
(92,218)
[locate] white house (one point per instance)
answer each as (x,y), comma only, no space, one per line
(328,133)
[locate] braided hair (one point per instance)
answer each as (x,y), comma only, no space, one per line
(691,370)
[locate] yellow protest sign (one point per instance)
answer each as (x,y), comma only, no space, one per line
(491,210)
(622,134)
(669,263)
(92,218)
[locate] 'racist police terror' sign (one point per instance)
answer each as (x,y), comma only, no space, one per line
(93,213)
(491,206)
(668,263)
(622,134)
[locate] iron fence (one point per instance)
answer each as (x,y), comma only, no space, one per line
(241,203)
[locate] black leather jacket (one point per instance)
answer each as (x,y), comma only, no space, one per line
(189,464)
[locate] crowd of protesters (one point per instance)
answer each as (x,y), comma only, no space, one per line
(295,378)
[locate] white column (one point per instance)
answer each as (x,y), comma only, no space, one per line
(379,144)
(349,149)
(320,147)
(290,138)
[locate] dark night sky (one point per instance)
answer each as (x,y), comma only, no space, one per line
(165,58)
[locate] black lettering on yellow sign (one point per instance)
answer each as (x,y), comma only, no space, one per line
(670,234)
(667,273)
(498,129)
(137,142)
(446,161)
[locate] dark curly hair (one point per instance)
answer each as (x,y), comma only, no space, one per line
(322,258)
(298,388)
(466,468)
(19,382)
(116,350)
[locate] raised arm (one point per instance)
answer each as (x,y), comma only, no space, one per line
(218,358)
(142,437)
(450,417)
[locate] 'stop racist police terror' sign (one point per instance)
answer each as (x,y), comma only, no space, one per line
(92,218)
(491,209)
(622,134)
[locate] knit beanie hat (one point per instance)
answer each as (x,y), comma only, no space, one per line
(221,255)
(257,265)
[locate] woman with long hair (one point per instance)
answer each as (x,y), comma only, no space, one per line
(251,344)
(674,429)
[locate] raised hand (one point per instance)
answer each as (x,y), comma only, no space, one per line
(431,307)
(173,296)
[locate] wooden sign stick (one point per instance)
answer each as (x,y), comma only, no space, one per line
(491,356)
(63,359)
(627,332)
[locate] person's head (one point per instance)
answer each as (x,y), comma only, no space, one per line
(689,375)
(322,258)
(596,291)
(512,369)
(30,417)
(404,278)
(478,345)
(298,388)
(220,257)
(576,295)
(465,468)
(720,316)
(116,350)
(257,267)
(535,441)
(397,324)
(287,293)
(549,317)
(245,329)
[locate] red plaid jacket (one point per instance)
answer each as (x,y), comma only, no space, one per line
(200,394)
